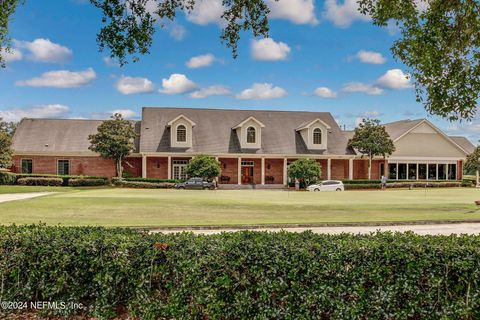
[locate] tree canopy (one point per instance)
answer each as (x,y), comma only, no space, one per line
(203,166)
(114,140)
(371,139)
(6,152)
(439,40)
(306,170)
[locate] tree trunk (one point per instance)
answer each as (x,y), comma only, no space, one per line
(478,178)
(119,167)
(370,167)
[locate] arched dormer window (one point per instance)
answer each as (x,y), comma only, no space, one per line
(181,133)
(317,136)
(251,135)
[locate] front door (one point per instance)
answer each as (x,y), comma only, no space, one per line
(247,175)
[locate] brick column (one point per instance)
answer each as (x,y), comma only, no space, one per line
(350,169)
(285,175)
(239,170)
(329,169)
(144,166)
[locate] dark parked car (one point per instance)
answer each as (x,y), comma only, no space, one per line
(195,184)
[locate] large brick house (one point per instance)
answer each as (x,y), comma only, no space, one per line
(253,147)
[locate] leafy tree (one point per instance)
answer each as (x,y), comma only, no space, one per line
(203,166)
(371,139)
(114,140)
(5,149)
(439,43)
(472,163)
(306,170)
(8,127)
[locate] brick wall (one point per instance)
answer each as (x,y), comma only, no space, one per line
(323,164)
(339,169)
(157,167)
(229,167)
(276,170)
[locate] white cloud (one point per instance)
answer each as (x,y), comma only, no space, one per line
(395,79)
(176,84)
(296,11)
(217,90)
(207,12)
(110,62)
(60,79)
(362,87)
(269,50)
(44,50)
(371,57)
(177,32)
(344,14)
(40,111)
(131,85)
(325,92)
(12,55)
(262,91)
(370,114)
(126,113)
(200,61)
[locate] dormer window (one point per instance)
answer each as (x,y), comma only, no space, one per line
(181,133)
(317,136)
(251,135)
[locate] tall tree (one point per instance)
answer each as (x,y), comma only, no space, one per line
(306,170)
(203,166)
(371,139)
(6,151)
(8,126)
(114,140)
(473,163)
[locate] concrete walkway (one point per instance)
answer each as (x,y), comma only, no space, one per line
(21,196)
(423,229)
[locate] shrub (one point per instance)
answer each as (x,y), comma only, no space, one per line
(361,186)
(40,181)
(142,184)
(65,178)
(86,182)
(243,275)
(7,178)
(418,184)
(153,180)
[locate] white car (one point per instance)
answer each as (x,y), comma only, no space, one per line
(327,185)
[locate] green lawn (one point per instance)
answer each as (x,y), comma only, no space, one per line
(151,208)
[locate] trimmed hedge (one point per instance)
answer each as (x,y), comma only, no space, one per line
(452,184)
(40,181)
(86,182)
(7,178)
(243,275)
(152,180)
(141,184)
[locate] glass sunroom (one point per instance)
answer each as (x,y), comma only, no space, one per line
(422,171)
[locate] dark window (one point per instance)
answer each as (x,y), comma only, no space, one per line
(317,136)
(432,171)
(452,171)
(412,171)
(422,171)
(63,167)
(402,171)
(392,171)
(181,133)
(27,166)
(442,171)
(251,135)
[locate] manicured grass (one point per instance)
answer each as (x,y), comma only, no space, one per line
(156,208)
(24,189)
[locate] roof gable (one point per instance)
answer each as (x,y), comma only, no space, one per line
(308,124)
(251,118)
(171,122)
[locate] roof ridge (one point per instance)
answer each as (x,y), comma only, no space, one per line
(222,109)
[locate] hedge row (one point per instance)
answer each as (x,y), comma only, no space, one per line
(8,178)
(152,180)
(451,184)
(40,181)
(142,184)
(244,275)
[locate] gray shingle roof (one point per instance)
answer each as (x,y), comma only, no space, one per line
(213,131)
(397,128)
(55,135)
(464,143)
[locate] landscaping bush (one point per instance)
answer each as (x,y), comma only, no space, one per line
(152,180)
(142,184)
(361,186)
(7,178)
(86,182)
(431,184)
(243,275)
(65,178)
(40,181)
(362,181)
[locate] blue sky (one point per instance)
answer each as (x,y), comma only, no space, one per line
(322,56)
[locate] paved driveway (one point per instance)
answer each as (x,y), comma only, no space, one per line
(21,196)
(423,229)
